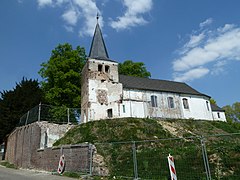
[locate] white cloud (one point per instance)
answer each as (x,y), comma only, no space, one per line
(206,23)
(88,11)
(208,49)
(42,3)
(133,15)
(195,40)
(70,16)
(225,28)
(60,2)
(191,74)
(69,28)
(218,68)
(83,11)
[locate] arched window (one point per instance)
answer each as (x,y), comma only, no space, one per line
(154,101)
(185,103)
(170,102)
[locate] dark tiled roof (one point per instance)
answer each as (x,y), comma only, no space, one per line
(216,108)
(157,85)
(98,49)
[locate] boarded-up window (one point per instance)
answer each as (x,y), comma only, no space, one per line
(154,101)
(124,110)
(45,140)
(170,102)
(185,103)
(109,113)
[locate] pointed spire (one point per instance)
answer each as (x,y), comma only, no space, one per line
(98,49)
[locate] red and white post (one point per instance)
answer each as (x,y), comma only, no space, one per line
(172,168)
(61,164)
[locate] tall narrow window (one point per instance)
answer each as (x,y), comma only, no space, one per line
(207,105)
(124,110)
(185,103)
(218,114)
(154,101)
(170,102)
(107,69)
(100,67)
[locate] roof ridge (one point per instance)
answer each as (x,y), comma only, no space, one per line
(154,79)
(158,85)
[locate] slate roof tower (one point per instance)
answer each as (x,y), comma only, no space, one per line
(98,48)
(101,90)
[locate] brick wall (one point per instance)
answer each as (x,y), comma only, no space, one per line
(23,150)
(76,158)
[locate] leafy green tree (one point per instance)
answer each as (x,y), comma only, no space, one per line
(213,101)
(232,112)
(15,103)
(62,76)
(131,68)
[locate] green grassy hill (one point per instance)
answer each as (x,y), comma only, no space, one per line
(155,139)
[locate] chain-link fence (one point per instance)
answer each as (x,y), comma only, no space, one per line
(42,112)
(196,158)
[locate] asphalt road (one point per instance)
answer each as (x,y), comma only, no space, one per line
(19,174)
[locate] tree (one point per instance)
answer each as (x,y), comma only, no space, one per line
(213,101)
(62,76)
(15,103)
(131,68)
(232,112)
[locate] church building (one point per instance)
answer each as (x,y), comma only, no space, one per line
(106,94)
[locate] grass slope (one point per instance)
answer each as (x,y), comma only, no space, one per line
(223,151)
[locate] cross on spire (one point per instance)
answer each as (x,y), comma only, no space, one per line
(97,16)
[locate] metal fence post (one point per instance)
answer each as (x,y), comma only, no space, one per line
(68,115)
(205,159)
(135,160)
(27,118)
(61,150)
(91,159)
(39,112)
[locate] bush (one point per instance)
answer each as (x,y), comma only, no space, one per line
(8,165)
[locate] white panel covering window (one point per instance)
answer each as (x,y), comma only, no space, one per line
(154,101)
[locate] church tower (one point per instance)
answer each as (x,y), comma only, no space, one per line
(101,91)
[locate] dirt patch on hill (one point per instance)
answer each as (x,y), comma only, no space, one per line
(176,129)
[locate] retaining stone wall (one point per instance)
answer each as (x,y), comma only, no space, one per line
(23,150)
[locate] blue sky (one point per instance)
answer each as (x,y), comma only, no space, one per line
(197,42)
